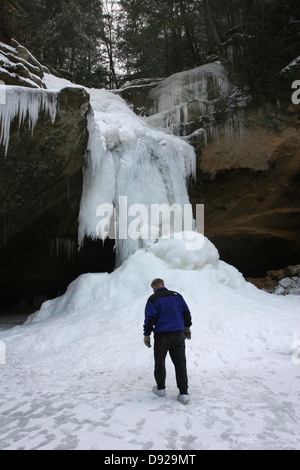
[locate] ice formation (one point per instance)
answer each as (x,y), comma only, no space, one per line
(205,83)
(24,102)
(126,163)
(168,102)
(65,246)
(130,166)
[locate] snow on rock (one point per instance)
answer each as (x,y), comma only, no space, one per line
(22,89)
(288,286)
(292,66)
(19,67)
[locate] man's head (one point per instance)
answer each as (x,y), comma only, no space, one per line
(157,283)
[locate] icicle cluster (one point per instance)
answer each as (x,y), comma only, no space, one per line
(65,246)
(204,83)
(24,102)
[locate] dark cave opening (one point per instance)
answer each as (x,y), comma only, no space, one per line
(31,275)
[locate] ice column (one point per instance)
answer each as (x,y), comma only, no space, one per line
(129,169)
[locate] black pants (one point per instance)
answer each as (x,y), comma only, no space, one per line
(174,343)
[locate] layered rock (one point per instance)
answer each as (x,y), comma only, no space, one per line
(249,184)
(19,67)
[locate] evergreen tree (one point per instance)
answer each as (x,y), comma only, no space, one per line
(161,36)
(8,15)
(257,38)
(65,34)
(99,40)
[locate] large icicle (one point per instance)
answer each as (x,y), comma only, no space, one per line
(24,102)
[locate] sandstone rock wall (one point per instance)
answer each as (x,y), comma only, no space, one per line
(248,177)
(40,168)
(249,184)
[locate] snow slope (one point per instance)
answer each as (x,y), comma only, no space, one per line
(78,376)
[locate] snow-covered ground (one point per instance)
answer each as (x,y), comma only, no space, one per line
(78,376)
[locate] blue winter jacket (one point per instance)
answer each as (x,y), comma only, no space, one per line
(166,311)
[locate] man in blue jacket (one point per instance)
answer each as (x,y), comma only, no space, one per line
(168,316)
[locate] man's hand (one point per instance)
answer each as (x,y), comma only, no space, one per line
(188,333)
(147,341)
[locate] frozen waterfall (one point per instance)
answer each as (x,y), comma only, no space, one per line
(131,168)
(24,102)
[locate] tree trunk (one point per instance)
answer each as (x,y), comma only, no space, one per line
(211,28)
(192,47)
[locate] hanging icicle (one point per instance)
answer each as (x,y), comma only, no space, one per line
(25,102)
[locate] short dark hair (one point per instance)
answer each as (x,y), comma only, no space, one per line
(157,282)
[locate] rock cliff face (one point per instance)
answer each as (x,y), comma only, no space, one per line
(40,192)
(40,168)
(250,187)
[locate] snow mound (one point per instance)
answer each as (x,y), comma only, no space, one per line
(190,251)
(164,256)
